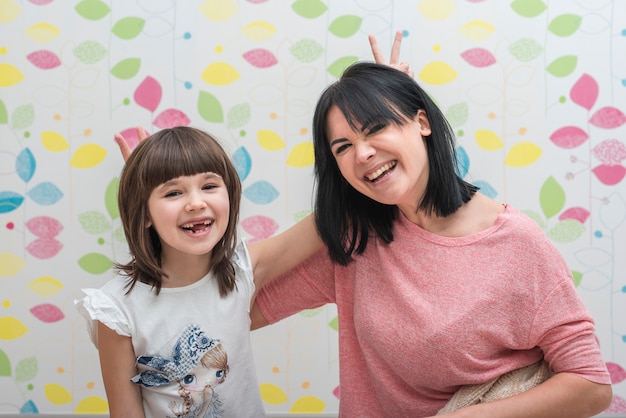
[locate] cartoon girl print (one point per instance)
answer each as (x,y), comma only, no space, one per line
(198,364)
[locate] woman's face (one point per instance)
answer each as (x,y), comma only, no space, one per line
(387,163)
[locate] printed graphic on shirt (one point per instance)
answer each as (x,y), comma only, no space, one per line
(197,364)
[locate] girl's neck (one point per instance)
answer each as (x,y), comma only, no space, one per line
(185,269)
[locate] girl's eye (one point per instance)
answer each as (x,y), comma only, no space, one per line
(189,379)
(172,194)
(209,186)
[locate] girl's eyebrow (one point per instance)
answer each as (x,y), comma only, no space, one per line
(208,175)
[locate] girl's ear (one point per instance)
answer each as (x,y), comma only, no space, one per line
(424,124)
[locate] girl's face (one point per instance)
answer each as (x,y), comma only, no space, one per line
(386,163)
(190,214)
(202,378)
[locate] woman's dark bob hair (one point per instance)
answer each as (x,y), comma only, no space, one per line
(165,155)
(369,93)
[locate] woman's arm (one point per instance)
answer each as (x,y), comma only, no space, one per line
(276,255)
(117,362)
(564,395)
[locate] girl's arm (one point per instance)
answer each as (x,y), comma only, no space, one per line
(117,362)
(564,395)
(274,256)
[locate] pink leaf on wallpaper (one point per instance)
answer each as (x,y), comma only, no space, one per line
(44,226)
(171,118)
(577,213)
(609,174)
(608,118)
(585,92)
(610,152)
(130,135)
(40,2)
(44,60)
(569,137)
(44,248)
(256,1)
(478,57)
(618,405)
(47,312)
(337,392)
(260,227)
(148,94)
(617,372)
(260,58)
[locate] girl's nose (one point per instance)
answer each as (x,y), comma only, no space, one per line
(195,202)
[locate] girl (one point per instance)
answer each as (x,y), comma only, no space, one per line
(172,329)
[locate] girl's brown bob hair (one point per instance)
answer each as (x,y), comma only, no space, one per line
(165,155)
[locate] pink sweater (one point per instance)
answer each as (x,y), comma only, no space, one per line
(426,314)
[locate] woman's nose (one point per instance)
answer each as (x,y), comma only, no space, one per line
(364,151)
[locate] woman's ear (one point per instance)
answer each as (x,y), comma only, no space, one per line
(424,124)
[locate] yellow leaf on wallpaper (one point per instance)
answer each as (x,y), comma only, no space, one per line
(54,141)
(9,75)
(437,73)
(259,31)
(10,264)
(523,154)
(87,156)
(92,405)
(42,32)
(436,9)
(302,155)
(270,140)
(9,10)
(45,286)
(11,328)
(220,74)
(57,394)
(488,140)
(218,10)
(477,30)
(272,394)
(308,404)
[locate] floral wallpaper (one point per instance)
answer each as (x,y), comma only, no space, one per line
(535,90)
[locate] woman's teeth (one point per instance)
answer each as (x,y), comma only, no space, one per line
(376,174)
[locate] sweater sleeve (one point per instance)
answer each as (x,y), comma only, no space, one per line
(307,286)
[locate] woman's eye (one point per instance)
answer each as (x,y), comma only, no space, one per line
(376,129)
(341,148)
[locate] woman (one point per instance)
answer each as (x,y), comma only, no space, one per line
(437,286)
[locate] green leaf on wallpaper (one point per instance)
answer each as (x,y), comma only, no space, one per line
(578,277)
(565,24)
(309,8)
(26,369)
(306,50)
(92,9)
(95,263)
(551,197)
(337,68)
(128,27)
(89,52)
(567,230)
(525,49)
(110,198)
(5,364)
(94,222)
(535,216)
(563,66)
(4,116)
(118,234)
(210,108)
(457,114)
(23,117)
(528,8)
(310,313)
(126,68)
(334,324)
(345,26)
(238,115)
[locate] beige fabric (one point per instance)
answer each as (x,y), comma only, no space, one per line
(508,384)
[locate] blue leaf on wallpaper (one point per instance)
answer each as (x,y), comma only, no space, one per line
(10,201)
(25,165)
(242,162)
(45,193)
(462,162)
(29,407)
(485,188)
(261,192)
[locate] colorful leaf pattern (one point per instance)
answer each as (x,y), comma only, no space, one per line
(249,72)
